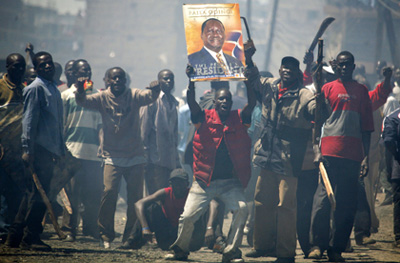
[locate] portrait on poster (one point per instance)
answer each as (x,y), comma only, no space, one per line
(214,41)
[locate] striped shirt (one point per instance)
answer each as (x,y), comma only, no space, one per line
(351,115)
(81,127)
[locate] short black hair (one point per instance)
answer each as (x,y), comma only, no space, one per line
(12,57)
(221,89)
(346,53)
(205,22)
(37,55)
(76,62)
(159,73)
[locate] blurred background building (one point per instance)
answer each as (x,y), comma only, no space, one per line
(144,37)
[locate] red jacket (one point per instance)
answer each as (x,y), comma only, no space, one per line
(206,142)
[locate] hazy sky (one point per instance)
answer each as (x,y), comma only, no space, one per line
(62,6)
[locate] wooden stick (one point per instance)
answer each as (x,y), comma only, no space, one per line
(48,205)
(328,186)
(65,200)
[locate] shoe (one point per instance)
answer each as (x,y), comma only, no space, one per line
(315,254)
(219,245)
(233,257)
(38,245)
(105,244)
(334,256)
(69,238)
(284,260)
(246,230)
(256,253)
(374,230)
(178,254)
(364,240)
(349,248)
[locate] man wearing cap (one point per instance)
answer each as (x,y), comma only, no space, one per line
(286,115)
(162,220)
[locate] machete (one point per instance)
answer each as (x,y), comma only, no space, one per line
(324,25)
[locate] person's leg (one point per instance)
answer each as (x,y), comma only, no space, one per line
(362,222)
(306,186)
(156,177)
(91,190)
(105,221)
(163,230)
(371,184)
(321,214)
(196,204)
(346,203)
(396,211)
(266,199)
(232,195)
(134,188)
(286,217)
(43,166)
(73,190)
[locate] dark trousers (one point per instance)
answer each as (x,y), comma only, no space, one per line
(306,186)
(164,231)
(28,221)
(343,175)
(10,196)
(134,186)
(84,188)
(156,177)
(396,208)
(362,222)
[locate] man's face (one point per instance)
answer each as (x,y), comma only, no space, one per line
(213,35)
(69,73)
(30,76)
(345,67)
(45,67)
(179,187)
(166,80)
(396,75)
(223,102)
(116,81)
(16,69)
(288,73)
(83,72)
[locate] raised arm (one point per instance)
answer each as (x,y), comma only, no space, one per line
(251,103)
(194,107)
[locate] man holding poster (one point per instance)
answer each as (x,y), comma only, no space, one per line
(218,53)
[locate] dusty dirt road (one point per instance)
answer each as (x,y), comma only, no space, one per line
(88,250)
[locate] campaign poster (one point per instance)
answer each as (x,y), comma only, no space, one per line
(214,41)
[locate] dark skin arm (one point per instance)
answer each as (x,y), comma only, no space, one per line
(366,140)
(387,73)
(29,49)
(251,103)
(191,94)
(140,207)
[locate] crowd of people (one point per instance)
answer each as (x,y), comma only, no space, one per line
(250,153)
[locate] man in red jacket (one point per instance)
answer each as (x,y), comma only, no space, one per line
(221,168)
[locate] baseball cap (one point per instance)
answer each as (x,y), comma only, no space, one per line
(179,174)
(290,60)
